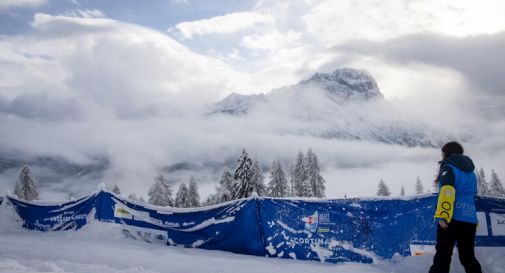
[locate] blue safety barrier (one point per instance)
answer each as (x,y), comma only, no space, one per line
(52,217)
(345,230)
(230,227)
(357,230)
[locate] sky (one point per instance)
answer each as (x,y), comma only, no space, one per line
(130,80)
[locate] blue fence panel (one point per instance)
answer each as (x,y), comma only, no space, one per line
(361,230)
(69,215)
(230,227)
(491,227)
(345,230)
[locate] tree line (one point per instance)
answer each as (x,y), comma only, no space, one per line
(247,180)
(492,188)
(305,180)
(383,189)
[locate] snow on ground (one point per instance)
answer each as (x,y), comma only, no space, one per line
(102,248)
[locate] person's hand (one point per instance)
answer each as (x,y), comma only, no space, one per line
(443,223)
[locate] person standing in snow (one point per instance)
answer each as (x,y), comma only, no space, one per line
(456,216)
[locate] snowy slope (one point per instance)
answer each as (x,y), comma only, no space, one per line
(100,247)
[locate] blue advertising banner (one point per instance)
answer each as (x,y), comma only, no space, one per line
(491,227)
(222,227)
(363,230)
(345,230)
(52,217)
(357,230)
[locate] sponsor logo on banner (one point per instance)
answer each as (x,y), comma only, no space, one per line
(419,249)
(497,224)
(316,222)
(122,211)
(146,234)
(311,222)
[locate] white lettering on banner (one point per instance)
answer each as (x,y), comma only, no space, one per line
(497,224)
(308,241)
(61,218)
(324,218)
(482,225)
(146,234)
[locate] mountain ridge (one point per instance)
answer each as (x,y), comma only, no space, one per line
(347,103)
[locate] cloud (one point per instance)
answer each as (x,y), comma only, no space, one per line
(85,13)
(273,40)
(300,38)
(9,4)
(478,58)
(223,24)
(101,63)
(334,22)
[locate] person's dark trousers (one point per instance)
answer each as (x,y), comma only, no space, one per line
(464,234)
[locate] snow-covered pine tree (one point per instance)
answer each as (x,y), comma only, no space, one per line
(194,197)
(26,186)
(141,199)
(210,200)
(182,197)
(482,185)
(132,196)
(383,189)
(402,191)
(242,177)
(257,180)
(223,190)
(419,186)
(278,184)
(299,176)
(116,190)
(496,185)
(160,193)
(313,179)
(291,189)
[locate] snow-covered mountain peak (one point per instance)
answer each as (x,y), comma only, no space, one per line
(347,83)
(343,84)
(237,104)
(344,104)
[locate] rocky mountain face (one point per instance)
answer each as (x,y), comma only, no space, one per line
(346,83)
(345,104)
(236,104)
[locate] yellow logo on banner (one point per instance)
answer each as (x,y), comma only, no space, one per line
(122,211)
(322,230)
